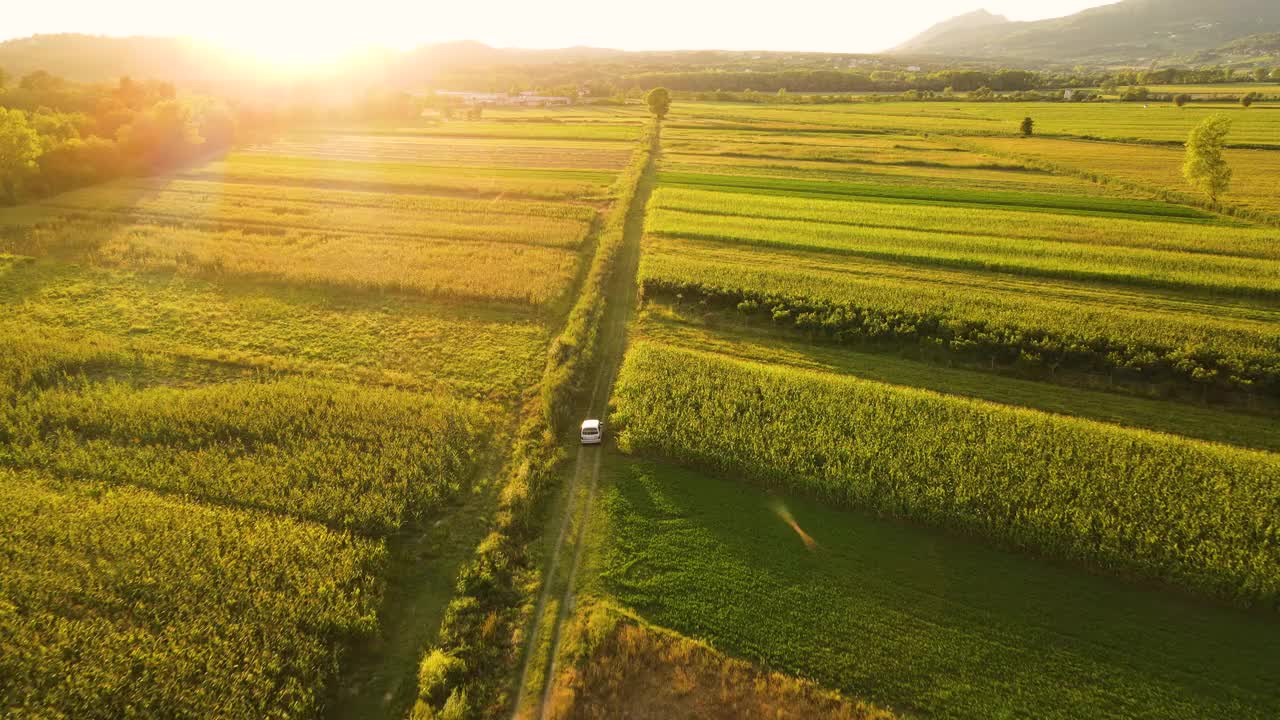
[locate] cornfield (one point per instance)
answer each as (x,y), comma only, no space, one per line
(1130,502)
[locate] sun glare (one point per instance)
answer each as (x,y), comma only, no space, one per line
(292,52)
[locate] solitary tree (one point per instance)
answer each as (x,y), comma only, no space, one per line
(19,148)
(1181,99)
(659,101)
(1204,167)
(1248,98)
(1028,126)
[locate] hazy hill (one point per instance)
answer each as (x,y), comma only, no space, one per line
(957,27)
(1131,31)
(1252,49)
(457,65)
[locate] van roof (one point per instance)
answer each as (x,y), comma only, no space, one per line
(592,424)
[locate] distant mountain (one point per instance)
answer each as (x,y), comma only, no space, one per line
(948,30)
(1251,49)
(1131,31)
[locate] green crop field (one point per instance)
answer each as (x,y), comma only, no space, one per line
(1235,89)
(906,415)
(955,422)
(1152,121)
(253,414)
(924,623)
(1144,504)
(1253,171)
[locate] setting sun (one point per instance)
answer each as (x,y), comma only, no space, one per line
(292,52)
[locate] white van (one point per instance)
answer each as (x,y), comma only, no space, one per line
(592,433)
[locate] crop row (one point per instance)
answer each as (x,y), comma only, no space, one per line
(1180,511)
(986,318)
(1155,234)
(886,154)
(120,604)
(361,458)
(537,129)
(276,215)
(120,196)
(906,179)
(826,190)
(1051,259)
(449,270)
(1119,121)
(403,177)
(480,350)
(456,151)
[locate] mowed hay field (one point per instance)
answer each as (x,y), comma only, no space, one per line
(251,414)
(945,430)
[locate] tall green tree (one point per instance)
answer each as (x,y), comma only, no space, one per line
(1205,167)
(659,102)
(1028,126)
(19,148)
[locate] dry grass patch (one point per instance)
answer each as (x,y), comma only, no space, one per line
(638,672)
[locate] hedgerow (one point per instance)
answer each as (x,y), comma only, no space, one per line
(466,674)
(1040,332)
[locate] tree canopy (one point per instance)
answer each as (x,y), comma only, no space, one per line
(659,102)
(1205,167)
(19,148)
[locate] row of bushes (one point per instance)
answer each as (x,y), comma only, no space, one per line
(1204,368)
(467,673)
(1190,513)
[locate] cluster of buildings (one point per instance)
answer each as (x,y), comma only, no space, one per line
(524,98)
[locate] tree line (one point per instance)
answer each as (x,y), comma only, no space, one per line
(56,135)
(956,80)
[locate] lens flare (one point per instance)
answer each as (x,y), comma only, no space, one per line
(787,518)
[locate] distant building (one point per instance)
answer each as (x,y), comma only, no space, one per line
(524,98)
(1068,94)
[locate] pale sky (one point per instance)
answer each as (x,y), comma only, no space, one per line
(316,28)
